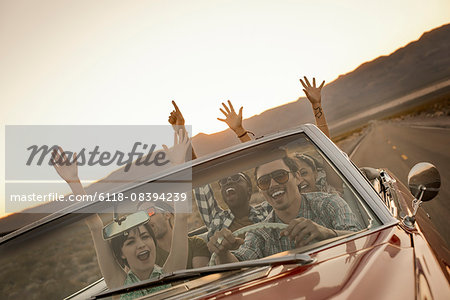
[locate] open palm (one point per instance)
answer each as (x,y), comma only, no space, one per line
(66,169)
(312,92)
(233,120)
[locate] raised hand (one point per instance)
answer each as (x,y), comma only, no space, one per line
(312,92)
(175,117)
(66,169)
(314,96)
(181,143)
(233,120)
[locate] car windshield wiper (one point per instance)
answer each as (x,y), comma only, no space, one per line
(298,259)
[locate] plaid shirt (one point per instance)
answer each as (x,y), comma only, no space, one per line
(216,218)
(328,210)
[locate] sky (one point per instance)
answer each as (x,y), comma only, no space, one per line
(122,62)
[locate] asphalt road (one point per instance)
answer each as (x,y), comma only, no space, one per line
(398,146)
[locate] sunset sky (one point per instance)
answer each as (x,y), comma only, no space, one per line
(122,62)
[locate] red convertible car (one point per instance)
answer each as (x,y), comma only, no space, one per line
(378,250)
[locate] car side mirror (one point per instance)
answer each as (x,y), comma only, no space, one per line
(124,224)
(424,182)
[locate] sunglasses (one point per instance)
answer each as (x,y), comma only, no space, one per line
(280,176)
(235,178)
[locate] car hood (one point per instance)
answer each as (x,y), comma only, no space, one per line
(355,269)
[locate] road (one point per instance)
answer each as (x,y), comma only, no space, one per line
(398,146)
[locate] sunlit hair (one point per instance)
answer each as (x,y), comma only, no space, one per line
(307,159)
(117,244)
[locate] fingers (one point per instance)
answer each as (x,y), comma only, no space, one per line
(228,237)
(231,106)
(183,136)
(225,114)
(55,157)
(314,81)
(321,86)
(75,158)
(302,231)
(176,106)
(304,85)
(226,108)
(172,119)
(288,229)
(222,240)
(213,245)
(59,157)
(63,154)
(223,120)
(240,112)
(166,149)
(297,232)
(307,81)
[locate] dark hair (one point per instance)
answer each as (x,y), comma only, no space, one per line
(307,159)
(288,161)
(117,244)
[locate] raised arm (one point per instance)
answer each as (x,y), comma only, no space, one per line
(176,119)
(204,196)
(178,254)
(112,272)
(314,96)
(234,121)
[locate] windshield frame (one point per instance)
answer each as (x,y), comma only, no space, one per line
(338,158)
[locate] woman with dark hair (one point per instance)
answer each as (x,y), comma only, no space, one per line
(313,178)
(130,257)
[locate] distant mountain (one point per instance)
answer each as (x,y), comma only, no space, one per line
(412,67)
(417,65)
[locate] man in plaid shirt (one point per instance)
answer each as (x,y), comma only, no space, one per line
(236,191)
(310,217)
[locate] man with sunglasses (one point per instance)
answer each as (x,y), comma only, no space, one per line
(236,191)
(310,217)
(162,221)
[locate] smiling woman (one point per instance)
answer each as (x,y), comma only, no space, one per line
(137,251)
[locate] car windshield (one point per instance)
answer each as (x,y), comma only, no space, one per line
(268,194)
